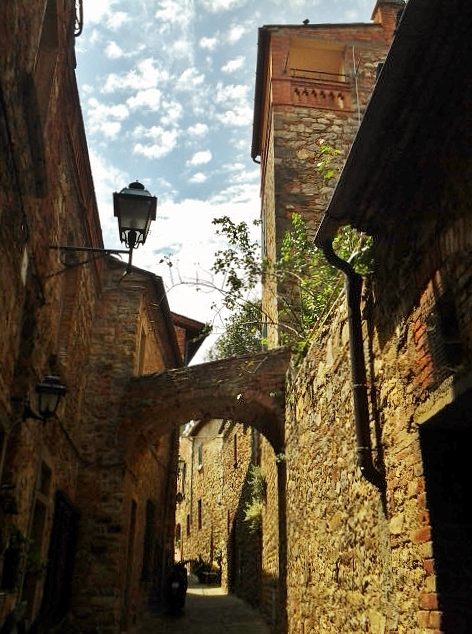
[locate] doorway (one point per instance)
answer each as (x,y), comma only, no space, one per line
(446,442)
(62,545)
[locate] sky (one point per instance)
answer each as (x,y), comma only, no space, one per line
(167,92)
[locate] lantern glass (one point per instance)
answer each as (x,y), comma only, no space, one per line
(49,393)
(135,209)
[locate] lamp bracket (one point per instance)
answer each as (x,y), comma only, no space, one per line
(90,249)
(27,411)
(128,252)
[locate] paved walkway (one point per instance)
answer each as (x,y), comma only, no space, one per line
(208,610)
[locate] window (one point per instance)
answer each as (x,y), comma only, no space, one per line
(317,62)
(235,451)
(146,570)
(37,556)
(188,525)
(199,514)
(141,352)
(200,455)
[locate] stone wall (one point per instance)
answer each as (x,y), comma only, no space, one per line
(360,559)
(70,315)
(126,494)
(338,556)
(215,469)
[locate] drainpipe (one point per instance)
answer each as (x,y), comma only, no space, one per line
(358,367)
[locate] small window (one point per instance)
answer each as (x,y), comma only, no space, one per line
(146,570)
(200,455)
(141,352)
(199,514)
(188,525)
(44,484)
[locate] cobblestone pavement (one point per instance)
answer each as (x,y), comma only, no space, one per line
(208,610)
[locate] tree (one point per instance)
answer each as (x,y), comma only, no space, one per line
(243,333)
(307,285)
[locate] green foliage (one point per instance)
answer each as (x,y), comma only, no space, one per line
(253,515)
(258,491)
(243,333)
(307,285)
(328,165)
(239,262)
(257,483)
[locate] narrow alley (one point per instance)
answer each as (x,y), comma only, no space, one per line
(208,610)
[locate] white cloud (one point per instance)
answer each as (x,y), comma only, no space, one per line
(181,49)
(171,113)
(236,32)
(110,129)
(117,19)
(233,64)
(150,98)
(231,93)
(189,79)
(199,177)
(148,74)
(198,130)
(217,6)
(162,141)
(100,115)
(113,51)
(235,109)
(200,158)
(208,43)
(178,12)
(95,12)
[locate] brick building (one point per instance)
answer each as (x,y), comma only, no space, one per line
(313,82)
(86,514)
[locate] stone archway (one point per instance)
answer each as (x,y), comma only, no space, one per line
(248,389)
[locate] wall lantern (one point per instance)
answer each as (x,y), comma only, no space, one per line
(49,394)
(135,209)
(181,464)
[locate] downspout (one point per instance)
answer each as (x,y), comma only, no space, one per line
(358,368)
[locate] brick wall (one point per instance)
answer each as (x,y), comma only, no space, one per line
(360,560)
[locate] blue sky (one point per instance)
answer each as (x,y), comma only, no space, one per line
(167,89)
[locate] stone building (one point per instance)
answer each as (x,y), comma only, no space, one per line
(313,82)
(86,511)
(386,389)
(216,484)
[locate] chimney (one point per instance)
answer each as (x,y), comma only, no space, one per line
(388,13)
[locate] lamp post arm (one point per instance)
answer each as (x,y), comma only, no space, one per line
(90,249)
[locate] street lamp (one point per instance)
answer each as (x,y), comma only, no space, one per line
(49,394)
(135,209)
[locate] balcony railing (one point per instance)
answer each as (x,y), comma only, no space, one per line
(320,89)
(318,75)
